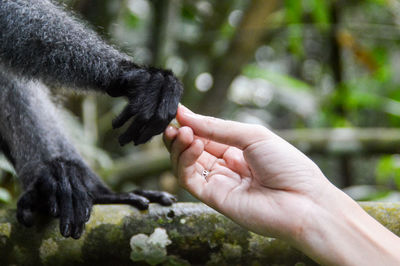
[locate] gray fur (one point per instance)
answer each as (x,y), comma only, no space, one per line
(40,40)
(41,44)
(29,124)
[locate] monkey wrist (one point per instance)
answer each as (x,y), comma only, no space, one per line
(120,86)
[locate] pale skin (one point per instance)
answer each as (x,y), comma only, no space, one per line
(268,186)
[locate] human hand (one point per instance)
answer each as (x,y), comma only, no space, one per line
(255,177)
(268,186)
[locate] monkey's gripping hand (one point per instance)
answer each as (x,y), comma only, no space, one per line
(67,189)
(56,188)
(153,96)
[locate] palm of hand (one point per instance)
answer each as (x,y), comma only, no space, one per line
(262,184)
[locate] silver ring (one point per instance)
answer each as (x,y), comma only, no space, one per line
(205,173)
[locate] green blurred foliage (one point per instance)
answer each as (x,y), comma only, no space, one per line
(388,171)
(5,196)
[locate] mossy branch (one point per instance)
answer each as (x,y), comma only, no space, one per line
(188,233)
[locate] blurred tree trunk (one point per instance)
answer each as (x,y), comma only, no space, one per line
(162,30)
(201,52)
(100,13)
(345,161)
(250,31)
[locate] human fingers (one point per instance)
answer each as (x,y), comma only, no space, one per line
(206,159)
(232,156)
(226,132)
(214,148)
(181,142)
(188,174)
(169,136)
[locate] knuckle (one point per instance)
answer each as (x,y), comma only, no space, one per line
(259,129)
(145,118)
(21,203)
(210,122)
(185,130)
(47,187)
(65,188)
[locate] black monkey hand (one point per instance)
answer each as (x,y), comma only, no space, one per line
(153,96)
(56,188)
(67,189)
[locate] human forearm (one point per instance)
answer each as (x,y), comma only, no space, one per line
(268,186)
(340,232)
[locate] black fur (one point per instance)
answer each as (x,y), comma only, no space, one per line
(39,40)
(41,44)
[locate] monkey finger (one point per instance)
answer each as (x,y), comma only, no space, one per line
(64,196)
(161,114)
(154,127)
(166,110)
(87,207)
(80,214)
(166,200)
(26,217)
(138,201)
(126,198)
(136,129)
(25,208)
(171,94)
(80,201)
(161,197)
(145,102)
(127,113)
(128,135)
(48,191)
(54,210)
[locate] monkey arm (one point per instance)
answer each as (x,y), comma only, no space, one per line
(39,40)
(55,178)
(42,157)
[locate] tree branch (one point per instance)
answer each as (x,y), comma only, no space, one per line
(196,233)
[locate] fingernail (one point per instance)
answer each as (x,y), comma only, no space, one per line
(54,211)
(77,233)
(185,109)
(66,232)
(174,124)
(190,114)
(87,214)
(169,130)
